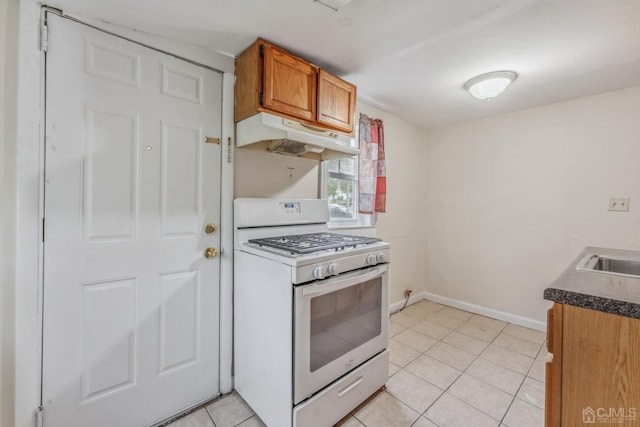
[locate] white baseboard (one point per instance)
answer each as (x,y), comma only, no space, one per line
(412,300)
(472,308)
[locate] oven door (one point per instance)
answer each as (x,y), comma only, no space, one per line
(339,323)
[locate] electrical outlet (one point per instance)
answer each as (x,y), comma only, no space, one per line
(619,204)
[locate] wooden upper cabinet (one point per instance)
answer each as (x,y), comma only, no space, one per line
(272,80)
(289,84)
(336,102)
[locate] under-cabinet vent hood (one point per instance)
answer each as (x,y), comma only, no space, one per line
(284,136)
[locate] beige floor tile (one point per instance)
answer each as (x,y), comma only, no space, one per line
(385,410)
(349,421)
(407,319)
(532,391)
(489,399)
(525,333)
(434,371)
(479,330)
(527,348)
(465,342)
(445,320)
(449,411)
(451,356)
(254,421)
(413,391)
(401,354)
(395,328)
(229,410)
(423,422)
(199,418)
(393,368)
(454,312)
(431,329)
(542,354)
(522,414)
(496,375)
(427,307)
(488,322)
(537,371)
(415,340)
(507,358)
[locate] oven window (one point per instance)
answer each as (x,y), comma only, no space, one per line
(343,320)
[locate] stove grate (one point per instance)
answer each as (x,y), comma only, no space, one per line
(313,242)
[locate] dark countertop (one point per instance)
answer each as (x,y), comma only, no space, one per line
(604,292)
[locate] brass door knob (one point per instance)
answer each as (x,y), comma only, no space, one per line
(210,253)
(210,229)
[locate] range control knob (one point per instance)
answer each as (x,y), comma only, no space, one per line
(381,257)
(332,269)
(318,272)
(372,259)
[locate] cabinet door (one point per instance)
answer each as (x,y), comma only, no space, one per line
(336,102)
(289,84)
(600,368)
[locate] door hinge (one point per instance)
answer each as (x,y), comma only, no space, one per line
(261,51)
(44,35)
(210,140)
(39,416)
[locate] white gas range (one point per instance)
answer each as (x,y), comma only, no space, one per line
(311,313)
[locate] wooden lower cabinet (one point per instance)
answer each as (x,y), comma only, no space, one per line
(593,370)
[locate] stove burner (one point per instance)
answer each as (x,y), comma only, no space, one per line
(313,242)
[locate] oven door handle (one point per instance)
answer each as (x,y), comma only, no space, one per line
(333,285)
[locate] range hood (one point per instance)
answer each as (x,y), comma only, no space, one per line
(264,131)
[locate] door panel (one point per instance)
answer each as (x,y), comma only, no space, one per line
(180,195)
(108,341)
(131,332)
(109,201)
(179,320)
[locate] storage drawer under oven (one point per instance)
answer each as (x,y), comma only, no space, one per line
(338,399)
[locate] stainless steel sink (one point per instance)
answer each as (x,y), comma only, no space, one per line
(610,265)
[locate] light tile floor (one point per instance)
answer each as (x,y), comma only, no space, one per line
(449,368)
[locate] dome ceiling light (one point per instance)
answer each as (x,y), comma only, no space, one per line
(490,85)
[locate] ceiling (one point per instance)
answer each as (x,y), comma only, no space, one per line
(411,57)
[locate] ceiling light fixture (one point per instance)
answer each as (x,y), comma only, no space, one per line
(334,5)
(490,85)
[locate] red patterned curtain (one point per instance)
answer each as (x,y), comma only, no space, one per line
(372,173)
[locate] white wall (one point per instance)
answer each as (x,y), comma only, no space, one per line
(512,199)
(402,224)
(8,76)
(264,174)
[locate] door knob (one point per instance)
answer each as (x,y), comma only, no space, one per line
(210,253)
(210,229)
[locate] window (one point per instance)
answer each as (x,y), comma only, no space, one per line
(341,191)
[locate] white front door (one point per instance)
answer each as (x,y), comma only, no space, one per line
(131,304)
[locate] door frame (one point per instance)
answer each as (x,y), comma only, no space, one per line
(26,368)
